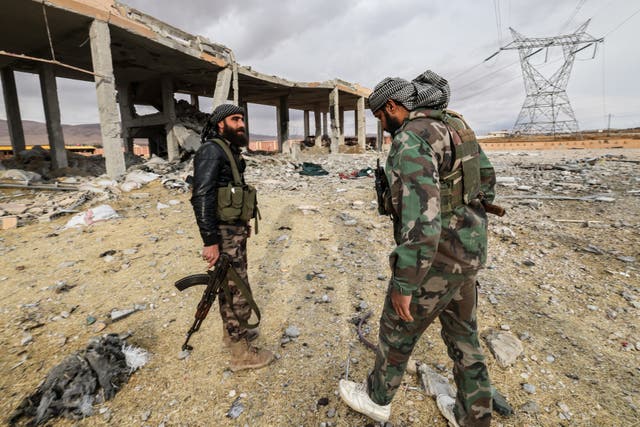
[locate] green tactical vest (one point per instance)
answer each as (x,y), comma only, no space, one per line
(236,201)
(462,184)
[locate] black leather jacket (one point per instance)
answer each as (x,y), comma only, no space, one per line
(211,170)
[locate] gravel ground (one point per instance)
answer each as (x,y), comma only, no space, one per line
(562,277)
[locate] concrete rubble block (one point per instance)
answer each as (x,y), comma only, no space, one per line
(504,346)
(8,222)
(187,139)
(20,175)
(14,208)
(136,179)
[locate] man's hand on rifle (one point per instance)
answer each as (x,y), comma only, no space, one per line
(211,254)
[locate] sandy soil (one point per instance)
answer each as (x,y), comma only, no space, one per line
(577,308)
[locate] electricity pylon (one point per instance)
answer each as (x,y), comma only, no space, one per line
(546,108)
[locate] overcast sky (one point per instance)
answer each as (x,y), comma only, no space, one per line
(364,41)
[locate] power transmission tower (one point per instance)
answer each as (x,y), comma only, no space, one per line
(546,108)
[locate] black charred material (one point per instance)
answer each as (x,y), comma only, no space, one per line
(72,387)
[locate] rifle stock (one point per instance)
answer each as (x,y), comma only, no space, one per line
(493,209)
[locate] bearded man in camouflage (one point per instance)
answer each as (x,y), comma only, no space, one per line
(438,177)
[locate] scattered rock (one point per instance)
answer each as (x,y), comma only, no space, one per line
(505,347)
(237,408)
(530,407)
(292,332)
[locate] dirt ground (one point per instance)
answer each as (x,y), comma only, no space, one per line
(575,308)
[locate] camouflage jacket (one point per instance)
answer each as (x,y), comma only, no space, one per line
(451,243)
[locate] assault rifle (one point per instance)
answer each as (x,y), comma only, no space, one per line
(217,281)
(382,188)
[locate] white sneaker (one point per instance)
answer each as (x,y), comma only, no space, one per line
(355,395)
(445,404)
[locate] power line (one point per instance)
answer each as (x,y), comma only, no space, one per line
(496,10)
(499,84)
(487,75)
(573,15)
(623,22)
(473,95)
(466,71)
(603,7)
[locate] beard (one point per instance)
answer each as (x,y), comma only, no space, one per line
(393,124)
(233,136)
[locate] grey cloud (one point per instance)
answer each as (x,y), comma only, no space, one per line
(364,41)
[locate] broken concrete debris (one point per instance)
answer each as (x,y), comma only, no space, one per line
(119,314)
(91,216)
(504,346)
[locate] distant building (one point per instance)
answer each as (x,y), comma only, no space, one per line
(498,134)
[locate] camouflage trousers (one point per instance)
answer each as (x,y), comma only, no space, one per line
(452,298)
(234,243)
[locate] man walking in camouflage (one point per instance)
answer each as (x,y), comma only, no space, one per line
(223,138)
(438,177)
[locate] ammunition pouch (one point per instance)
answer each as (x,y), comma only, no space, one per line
(237,203)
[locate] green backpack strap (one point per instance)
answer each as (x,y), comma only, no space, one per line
(234,167)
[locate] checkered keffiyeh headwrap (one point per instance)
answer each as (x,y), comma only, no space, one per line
(223,111)
(428,90)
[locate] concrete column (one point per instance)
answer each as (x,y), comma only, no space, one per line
(223,85)
(341,126)
(361,125)
(52,115)
(334,113)
(169,111)
(125,101)
(106,94)
(325,130)
(306,124)
(318,127)
(195,101)
(12,108)
(245,106)
(380,140)
(283,122)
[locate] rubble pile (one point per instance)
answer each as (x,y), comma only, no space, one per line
(190,117)
(66,195)
(38,160)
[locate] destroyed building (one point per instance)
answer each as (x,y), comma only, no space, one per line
(137,60)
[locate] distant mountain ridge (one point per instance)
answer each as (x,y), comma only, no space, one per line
(35,133)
